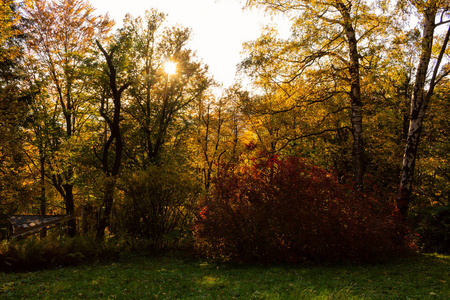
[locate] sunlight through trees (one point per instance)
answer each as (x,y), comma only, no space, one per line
(125,132)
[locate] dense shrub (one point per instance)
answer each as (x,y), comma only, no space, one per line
(32,253)
(286,210)
(158,208)
(434,230)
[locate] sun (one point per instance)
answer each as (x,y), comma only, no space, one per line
(170,67)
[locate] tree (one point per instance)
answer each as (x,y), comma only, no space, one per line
(433,14)
(139,131)
(10,57)
(61,35)
(15,189)
(219,129)
(159,106)
(43,135)
(432,173)
(111,154)
(329,40)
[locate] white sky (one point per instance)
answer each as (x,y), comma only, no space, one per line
(219,27)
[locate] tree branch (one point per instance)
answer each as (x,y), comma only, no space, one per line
(438,63)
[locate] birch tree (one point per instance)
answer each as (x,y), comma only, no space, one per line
(433,13)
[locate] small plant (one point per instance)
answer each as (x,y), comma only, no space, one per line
(283,209)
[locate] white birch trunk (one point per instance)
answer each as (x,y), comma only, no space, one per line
(419,103)
(355,96)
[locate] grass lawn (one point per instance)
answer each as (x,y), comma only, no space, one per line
(140,277)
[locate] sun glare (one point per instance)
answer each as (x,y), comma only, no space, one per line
(170,67)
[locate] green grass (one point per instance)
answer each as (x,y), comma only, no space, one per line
(140,277)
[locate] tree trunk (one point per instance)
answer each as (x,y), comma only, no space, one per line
(115,139)
(70,210)
(355,96)
(419,103)
(43,204)
(105,211)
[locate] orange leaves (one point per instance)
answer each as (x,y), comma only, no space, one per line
(9,20)
(65,27)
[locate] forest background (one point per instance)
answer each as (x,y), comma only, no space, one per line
(125,130)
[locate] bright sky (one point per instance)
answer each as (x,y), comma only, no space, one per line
(219,27)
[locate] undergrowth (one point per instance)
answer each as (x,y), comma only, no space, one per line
(33,253)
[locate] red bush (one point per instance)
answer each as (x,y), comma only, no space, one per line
(286,210)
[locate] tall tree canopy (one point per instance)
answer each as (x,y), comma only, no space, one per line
(159,100)
(322,58)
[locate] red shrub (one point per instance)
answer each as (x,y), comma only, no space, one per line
(286,210)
